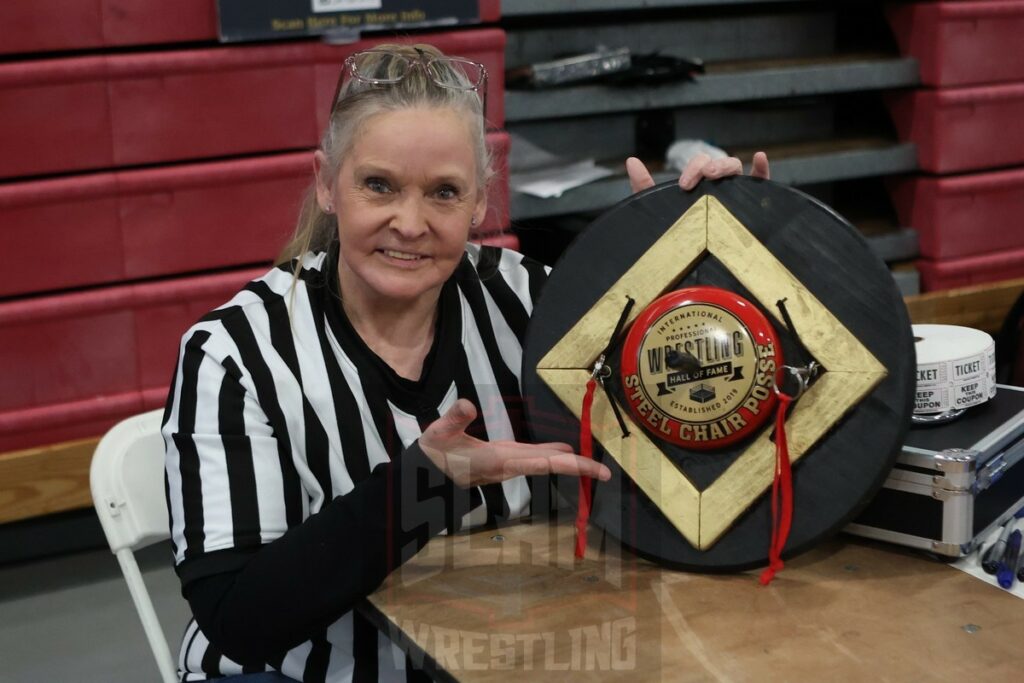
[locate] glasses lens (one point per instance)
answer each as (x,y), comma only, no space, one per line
(452,72)
(378,67)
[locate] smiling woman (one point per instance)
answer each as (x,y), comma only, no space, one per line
(323,424)
(364,395)
(406,196)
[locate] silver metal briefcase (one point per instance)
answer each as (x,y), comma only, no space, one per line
(953,483)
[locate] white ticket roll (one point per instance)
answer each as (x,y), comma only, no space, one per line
(956,368)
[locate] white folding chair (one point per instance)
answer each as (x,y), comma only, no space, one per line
(127,482)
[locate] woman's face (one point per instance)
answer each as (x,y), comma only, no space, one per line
(405,196)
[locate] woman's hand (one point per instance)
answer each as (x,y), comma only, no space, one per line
(471,462)
(700,166)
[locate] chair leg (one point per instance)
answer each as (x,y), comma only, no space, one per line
(150,623)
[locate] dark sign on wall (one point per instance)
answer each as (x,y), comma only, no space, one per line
(263,19)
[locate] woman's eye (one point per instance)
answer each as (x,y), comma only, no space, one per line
(447,192)
(378,185)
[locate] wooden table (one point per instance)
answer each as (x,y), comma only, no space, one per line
(514,605)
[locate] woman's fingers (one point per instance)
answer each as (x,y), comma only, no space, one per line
(759,167)
(557,446)
(578,466)
(703,166)
(448,433)
(639,177)
(470,462)
(721,168)
(568,464)
(694,171)
(550,445)
(453,422)
(699,167)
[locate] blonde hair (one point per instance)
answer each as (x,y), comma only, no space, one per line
(358,102)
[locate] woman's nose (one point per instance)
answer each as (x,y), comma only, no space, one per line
(410,218)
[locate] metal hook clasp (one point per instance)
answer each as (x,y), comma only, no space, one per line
(802,375)
(601,370)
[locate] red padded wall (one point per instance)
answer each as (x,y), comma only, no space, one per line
(87,359)
(962,129)
(129,225)
(971,270)
(961,43)
(963,215)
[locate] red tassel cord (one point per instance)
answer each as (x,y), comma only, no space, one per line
(782,494)
(587,451)
(600,373)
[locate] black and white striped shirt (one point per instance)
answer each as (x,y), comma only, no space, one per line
(282,425)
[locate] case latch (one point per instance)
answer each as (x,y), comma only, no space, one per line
(990,473)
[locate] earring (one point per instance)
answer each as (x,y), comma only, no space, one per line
(472,222)
(329,209)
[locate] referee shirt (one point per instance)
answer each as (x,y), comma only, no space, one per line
(282,425)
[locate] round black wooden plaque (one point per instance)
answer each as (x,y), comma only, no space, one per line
(832,261)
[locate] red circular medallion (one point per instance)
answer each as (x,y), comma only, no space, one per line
(698,368)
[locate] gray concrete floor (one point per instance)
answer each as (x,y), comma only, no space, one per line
(71,619)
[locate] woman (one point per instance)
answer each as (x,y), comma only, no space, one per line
(362,397)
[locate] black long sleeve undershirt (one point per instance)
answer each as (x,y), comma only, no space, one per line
(255,606)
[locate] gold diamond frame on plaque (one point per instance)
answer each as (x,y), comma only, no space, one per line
(851,372)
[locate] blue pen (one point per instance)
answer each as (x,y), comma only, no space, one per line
(1020,556)
(1008,563)
(990,560)
(1020,564)
(1020,567)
